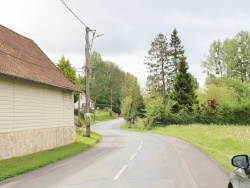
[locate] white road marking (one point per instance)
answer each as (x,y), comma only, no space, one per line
(120,172)
(139,147)
(133,156)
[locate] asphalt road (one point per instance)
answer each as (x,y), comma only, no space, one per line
(127,159)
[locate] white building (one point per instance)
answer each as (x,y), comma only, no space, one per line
(82,98)
(36,100)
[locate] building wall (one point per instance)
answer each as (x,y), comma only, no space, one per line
(33,117)
(83,102)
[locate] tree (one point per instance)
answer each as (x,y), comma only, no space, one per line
(214,65)
(99,82)
(132,101)
(159,66)
(106,82)
(229,59)
(69,72)
(82,82)
(176,49)
(183,89)
(243,55)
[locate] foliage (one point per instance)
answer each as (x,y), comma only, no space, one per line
(82,83)
(222,94)
(230,58)
(236,89)
(176,50)
(162,61)
(233,102)
(106,81)
(183,90)
(69,72)
(133,106)
(156,110)
(159,66)
(107,107)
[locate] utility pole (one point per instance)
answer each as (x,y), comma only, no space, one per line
(111,101)
(79,100)
(87,69)
(87,51)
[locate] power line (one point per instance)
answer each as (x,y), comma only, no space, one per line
(74,14)
(23,33)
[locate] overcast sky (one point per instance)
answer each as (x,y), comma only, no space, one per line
(128,26)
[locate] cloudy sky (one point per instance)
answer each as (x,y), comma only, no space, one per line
(128,26)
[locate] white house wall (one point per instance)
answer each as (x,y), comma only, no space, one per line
(33,117)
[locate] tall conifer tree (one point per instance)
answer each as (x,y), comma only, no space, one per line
(183,89)
(159,65)
(176,49)
(69,72)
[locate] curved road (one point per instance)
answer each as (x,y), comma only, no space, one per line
(128,160)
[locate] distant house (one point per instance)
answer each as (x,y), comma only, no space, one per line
(36,100)
(83,102)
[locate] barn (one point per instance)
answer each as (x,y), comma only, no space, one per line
(36,100)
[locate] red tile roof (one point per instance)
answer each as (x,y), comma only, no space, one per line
(20,57)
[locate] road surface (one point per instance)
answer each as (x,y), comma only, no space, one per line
(127,159)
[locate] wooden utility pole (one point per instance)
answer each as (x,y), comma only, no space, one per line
(79,100)
(87,69)
(111,100)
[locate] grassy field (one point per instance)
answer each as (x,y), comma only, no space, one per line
(219,142)
(19,165)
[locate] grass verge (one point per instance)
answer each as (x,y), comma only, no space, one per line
(99,116)
(15,166)
(219,142)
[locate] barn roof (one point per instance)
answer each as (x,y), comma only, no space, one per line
(20,57)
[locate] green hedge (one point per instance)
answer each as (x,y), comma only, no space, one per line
(115,109)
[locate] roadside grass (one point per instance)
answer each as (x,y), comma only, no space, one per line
(99,116)
(15,166)
(219,142)
(103,116)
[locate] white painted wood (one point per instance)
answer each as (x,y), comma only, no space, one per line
(27,106)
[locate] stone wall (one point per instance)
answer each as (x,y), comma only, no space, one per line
(13,144)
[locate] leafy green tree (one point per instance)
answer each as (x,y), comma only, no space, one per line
(243,55)
(106,82)
(159,66)
(214,65)
(195,82)
(221,93)
(229,59)
(82,83)
(235,90)
(69,72)
(183,89)
(98,82)
(115,78)
(132,101)
(229,56)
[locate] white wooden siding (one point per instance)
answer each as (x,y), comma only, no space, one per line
(25,106)
(6,104)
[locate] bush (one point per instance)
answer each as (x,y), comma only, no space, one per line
(105,107)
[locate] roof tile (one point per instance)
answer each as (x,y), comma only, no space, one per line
(20,57)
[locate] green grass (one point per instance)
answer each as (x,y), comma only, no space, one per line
(99,116)
(19,165)
(219,142)
(103,116)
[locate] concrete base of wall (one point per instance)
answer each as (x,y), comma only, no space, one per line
(26,142)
